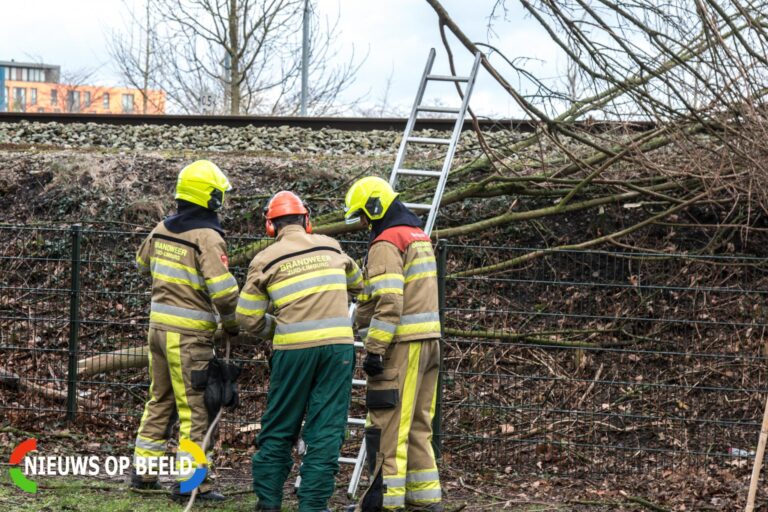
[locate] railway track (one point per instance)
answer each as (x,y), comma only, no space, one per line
(313,123)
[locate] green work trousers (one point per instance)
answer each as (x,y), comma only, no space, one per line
(314,385)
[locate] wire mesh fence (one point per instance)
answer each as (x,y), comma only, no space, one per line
(573,362)
(591,360)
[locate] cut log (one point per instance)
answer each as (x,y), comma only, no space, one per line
(134,357)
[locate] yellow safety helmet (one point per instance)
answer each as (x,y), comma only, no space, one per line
(202,183)
(371,195)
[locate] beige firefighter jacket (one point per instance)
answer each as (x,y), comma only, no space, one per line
(189,277)
(305,280)
(399,301)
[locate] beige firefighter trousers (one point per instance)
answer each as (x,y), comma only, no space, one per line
(401,404)
(176,362)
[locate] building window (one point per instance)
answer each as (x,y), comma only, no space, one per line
(6,99)
(73,101)
(54,97)
(33,96)
(87,98)
(128,103)
(19,99)
(106,100)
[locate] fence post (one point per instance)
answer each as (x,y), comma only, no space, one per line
(76,234)
(437,429)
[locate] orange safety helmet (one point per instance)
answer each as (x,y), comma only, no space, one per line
(286,203)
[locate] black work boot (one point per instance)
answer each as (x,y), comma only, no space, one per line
(211,495)
(261,508)
(144,485)
(432,507)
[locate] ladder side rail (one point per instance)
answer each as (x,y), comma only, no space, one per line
(457,128)
(357,472)
(412,118)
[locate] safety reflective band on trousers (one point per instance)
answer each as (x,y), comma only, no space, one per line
(423,486)
(182,317)
(147,448)
(419,323)
(299,332)
(221,285)
(172,272)
(252,304)
(395,496)
(307,284)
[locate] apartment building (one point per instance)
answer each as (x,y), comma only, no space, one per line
(30,87)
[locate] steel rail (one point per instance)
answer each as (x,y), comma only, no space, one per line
(312,123)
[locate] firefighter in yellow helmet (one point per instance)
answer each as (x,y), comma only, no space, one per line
(398,319)
(192,292)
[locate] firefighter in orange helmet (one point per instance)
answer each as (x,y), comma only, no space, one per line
(305,280)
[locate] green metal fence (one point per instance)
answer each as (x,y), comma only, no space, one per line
(574,362)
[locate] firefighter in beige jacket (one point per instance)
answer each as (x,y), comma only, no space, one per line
(399,320)
(192,290)
(305,280)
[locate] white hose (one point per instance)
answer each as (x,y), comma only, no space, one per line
(207,438)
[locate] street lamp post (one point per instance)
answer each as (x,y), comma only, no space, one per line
(305,59)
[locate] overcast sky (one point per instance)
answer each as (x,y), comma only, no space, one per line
(396,35)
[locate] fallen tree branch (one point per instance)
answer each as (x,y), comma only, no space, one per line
(18,383)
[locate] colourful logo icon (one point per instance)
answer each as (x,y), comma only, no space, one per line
(198,475)
(17,456)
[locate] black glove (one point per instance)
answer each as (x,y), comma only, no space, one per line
(373,364)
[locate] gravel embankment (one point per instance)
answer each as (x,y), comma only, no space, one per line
(213,138)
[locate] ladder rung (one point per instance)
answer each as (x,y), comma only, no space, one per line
(428,140)
(348,460)
(418,206)
(448,78)
(358,382)
(417,172)
(442,110)
(356,421)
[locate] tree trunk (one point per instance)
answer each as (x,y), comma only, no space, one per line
(234,64)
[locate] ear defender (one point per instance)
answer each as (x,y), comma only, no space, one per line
(216,200)
(269,227)
(307,222)
(373,207)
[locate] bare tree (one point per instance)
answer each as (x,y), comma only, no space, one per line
(687,79)
(243,56)
(134,53)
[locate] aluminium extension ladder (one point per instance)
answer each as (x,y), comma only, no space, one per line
(429,208)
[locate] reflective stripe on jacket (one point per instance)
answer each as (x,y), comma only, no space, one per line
(305,281)
(399,300)
(190,280)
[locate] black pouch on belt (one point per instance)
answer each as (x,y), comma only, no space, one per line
(230,372)
(213,388)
